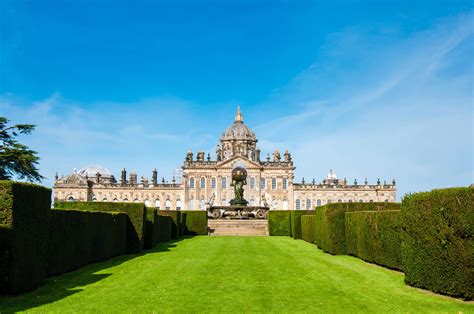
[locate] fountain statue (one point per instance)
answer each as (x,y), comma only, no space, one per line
(239,179)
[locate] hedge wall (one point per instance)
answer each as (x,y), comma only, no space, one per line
(194,222)
(307,228)
(438,241)
(295,219)
(176,226)
(24,221)
(279,223)
(330,223)
(78,238)
(164,225)
(135,211)
(374,236)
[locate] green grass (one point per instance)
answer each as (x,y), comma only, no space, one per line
(232,274)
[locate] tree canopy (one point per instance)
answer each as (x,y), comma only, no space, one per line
(16,159)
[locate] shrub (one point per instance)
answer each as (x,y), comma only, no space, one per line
(307,228)
(165,224)
(279,223)
(295,218)
(374,236)
(437,241)
(24,230)
(135,211)
(78,238)
(330,223)
(195,222)
(176,226)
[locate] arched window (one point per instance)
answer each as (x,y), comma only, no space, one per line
(168,204)
(252,202)
(116,200)
(263,184)
(285,204)
(298,204)
(223,202)
(361,201)
(350,201)
(329,201)
(136,200)
(318,202)
(147,203)
(191,204)
(125,200)
(386,200)
(203,183)
(213,183)
(339,201)
(178,204)
(252,183)
(71,198)
(191,183)
(202,204)
(94,199)
(284,183)
(224,182)
(308,203)
(157,203)
(371,201)
(104,199)
(274,183)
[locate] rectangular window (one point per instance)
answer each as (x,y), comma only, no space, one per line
(274,183)
(284,183)
(262,184)
(213,183)
(224,183)
(252,183)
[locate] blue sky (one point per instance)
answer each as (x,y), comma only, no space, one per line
(369,89)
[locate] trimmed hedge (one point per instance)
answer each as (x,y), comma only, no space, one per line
(330,223)
(135,211)
(176,226)
(24,231)
(438,241)
(374,236)
(295,219)
(279,223)
(307,228)
(194,222)
(164,225)
(78,238)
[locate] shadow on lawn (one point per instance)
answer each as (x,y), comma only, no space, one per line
(62,286)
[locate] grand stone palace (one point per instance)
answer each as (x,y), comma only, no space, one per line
(270,181)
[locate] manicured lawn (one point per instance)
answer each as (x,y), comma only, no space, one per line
(232,274)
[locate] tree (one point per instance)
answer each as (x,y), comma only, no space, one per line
(17,160)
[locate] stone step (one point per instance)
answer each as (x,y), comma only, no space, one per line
(238,227)
(237,232)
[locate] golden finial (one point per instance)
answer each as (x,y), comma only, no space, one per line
(238,115)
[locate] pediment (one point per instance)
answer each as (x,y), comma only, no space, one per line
(238,161)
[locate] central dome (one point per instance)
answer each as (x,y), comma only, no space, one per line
(238,130)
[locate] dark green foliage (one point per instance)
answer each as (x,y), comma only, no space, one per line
(194,222)
(164,225)
(135,211)
(295,218)
(330,223)
(78,238)
(375,236)
(151,229)
(176,226)
(24,231)
(279,223)
(17,159)
(438,242)
(307,228)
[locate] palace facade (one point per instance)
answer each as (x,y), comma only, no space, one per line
(270,181)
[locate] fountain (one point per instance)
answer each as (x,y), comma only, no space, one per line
(238,208)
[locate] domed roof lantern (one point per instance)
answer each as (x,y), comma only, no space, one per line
(238,116)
